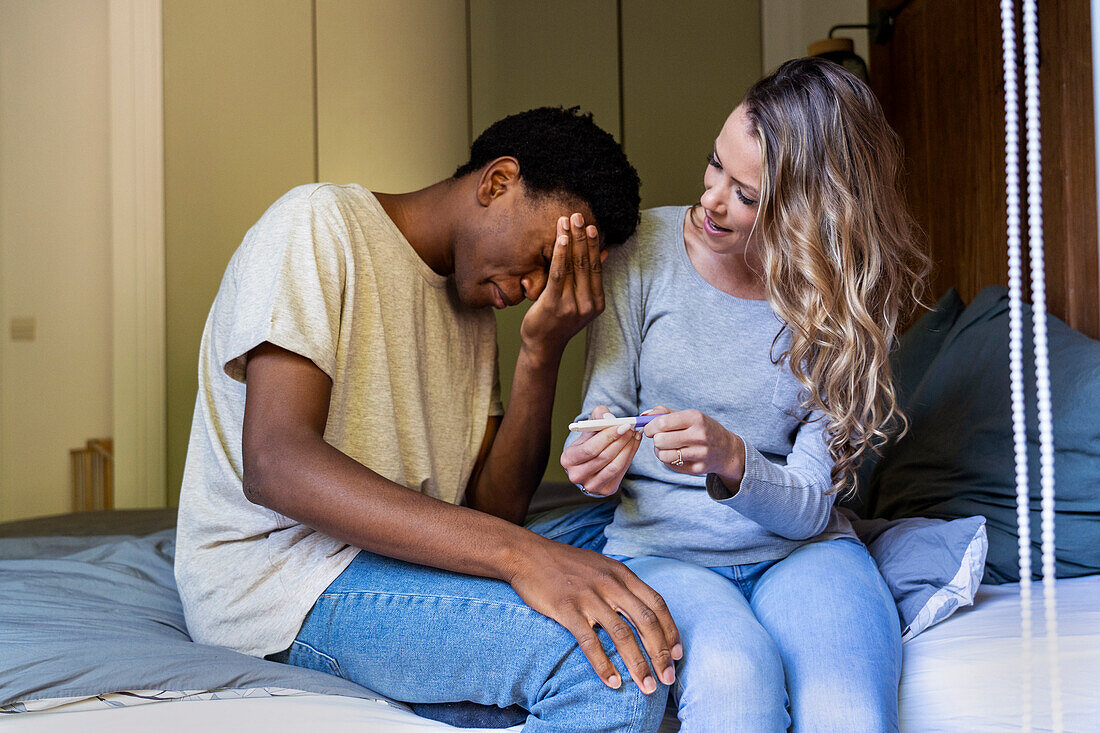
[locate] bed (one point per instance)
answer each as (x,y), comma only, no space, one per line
(92,634)
(80,600)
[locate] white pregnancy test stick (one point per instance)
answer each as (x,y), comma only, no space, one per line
(589,426)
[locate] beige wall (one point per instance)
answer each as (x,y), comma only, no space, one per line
(238,133)
(55,391)
(789,26)
(391,92)
(685,66)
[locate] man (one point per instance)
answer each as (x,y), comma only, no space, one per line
(349,407)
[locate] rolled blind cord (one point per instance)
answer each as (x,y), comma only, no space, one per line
(1042,361)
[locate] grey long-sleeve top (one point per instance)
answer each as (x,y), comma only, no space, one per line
(669,337)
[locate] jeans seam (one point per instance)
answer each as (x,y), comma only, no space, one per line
(477,601)
(634,716)
(333,662)
(573,528)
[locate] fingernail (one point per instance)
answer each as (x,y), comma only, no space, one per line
(591,232)
(637,435)
(614,682)
(578,220)
(562,221)
(649,686)
(678,652)
(621,430)
(669,675)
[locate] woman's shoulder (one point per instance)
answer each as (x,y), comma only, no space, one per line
(659,236)
(661,224)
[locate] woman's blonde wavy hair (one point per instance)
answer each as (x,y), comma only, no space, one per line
(843,265)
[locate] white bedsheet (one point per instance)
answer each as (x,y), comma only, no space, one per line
(967,674)
(308,712)
(962,676)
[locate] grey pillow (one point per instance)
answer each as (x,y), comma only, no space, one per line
(933,567)
(957,460)
(916,349)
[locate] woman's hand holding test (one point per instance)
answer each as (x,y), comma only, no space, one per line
(598,461)
(692,442)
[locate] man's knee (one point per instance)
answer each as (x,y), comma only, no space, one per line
(577,693)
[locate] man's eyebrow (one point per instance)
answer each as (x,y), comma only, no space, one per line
(745,186)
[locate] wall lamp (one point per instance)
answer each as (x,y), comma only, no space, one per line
(880,29)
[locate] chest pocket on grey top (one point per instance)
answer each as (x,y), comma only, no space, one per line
(786,396)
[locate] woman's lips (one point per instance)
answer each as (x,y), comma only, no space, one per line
(713,229)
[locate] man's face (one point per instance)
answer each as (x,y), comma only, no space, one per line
(506,260)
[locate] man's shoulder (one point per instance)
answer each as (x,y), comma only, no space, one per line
(338,193)
(326,197)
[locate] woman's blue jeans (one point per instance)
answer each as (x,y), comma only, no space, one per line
(431,637)
(811,642)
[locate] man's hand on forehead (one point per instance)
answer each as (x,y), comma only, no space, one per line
(573,295)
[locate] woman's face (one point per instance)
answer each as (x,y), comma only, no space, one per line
(732,187)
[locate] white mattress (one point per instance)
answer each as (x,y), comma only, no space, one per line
(964,675)
(967,674)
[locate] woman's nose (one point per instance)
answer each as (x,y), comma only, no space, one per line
(712,200)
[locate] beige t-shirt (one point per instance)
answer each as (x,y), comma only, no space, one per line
(325,274)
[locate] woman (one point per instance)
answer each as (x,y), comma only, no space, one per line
(763,317)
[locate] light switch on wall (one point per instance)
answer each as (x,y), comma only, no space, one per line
(23,328)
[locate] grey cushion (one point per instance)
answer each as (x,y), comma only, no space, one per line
(957,460)
(916,349)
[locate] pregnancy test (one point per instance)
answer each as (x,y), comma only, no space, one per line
(588,426)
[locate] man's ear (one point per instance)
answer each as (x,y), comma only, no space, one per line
(496,179)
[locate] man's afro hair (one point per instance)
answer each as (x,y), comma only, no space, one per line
(563,152)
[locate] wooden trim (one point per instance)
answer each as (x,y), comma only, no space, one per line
(1094,12)
(137,252)
(940,83)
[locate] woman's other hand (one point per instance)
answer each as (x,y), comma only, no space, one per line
(598,461)
(692,442)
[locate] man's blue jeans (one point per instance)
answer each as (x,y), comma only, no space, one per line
(427,636)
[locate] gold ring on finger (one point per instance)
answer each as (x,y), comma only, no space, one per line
(679,458)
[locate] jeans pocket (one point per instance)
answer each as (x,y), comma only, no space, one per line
(303,655)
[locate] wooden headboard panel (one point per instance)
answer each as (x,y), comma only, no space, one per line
(940,81)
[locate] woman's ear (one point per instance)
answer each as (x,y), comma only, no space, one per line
(496,179)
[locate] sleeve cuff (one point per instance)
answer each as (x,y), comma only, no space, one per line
(717,488)
(756,466)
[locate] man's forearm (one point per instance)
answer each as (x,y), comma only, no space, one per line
(314,483)
(517,459)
